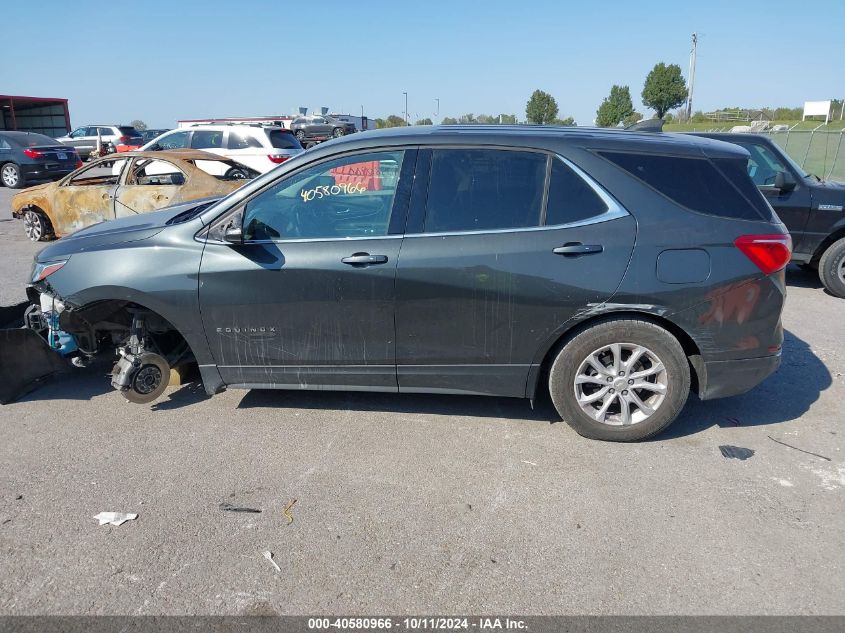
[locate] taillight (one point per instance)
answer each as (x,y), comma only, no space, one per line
(277,159)
(769,253)
(33,153)
(123,139)
(78,162)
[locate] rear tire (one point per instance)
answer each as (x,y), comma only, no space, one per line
(832,269)
(11,176)
(622,380)
(300,136)
(338,132)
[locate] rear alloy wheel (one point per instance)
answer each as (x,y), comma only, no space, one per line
(338,132)
(11,176)
(36,226)
(621,380)
(300,135)
(832,269)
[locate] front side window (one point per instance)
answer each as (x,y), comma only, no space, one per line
(207,139)
(100,173)
(106,131)
(79,133)
(570,198)
(345,197)
(484,189)
(763,166)
(177,140)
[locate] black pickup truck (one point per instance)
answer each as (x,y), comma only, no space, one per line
(812,209)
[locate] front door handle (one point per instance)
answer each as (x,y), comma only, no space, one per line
(575,249)
(363,259)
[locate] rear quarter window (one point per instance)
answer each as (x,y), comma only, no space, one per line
(697,184)
(283,140)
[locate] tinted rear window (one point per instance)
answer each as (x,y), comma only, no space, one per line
(128,130)
(570,198)
(694,183)
(32,140)
(472,190)
(283,140)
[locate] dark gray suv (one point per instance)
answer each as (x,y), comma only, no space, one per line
(617,269)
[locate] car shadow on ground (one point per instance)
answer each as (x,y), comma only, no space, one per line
(784,396)
(417,404)
(802,277)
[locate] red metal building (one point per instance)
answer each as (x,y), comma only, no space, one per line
(34,114)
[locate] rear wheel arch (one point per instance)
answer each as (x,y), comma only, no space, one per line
(691,349)
(834,237)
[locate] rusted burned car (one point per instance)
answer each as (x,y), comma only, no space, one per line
(122,186)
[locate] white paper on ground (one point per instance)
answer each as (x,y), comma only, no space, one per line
(269,556)
(115,518)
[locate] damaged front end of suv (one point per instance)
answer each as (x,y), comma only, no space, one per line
(68,322)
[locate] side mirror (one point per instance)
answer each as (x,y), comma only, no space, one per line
(234,235)
(784,182)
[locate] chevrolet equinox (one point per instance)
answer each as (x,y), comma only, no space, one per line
(617,269)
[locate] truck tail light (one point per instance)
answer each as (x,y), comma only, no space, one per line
(276,158)
(33,153)
(769,253)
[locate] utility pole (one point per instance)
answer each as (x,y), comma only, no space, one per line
(437,114)
(691,74)
(406,108)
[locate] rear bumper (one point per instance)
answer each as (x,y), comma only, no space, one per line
(41,172)
(724,378)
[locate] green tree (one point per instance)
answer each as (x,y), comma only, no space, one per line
(394,121)
(664,89)
(468,118)
(541,108)
(380,123)
(138,124)
(425,121)
(636,116)
(487,119)
(615,108)
(448,120)
(567,121)
(507,119)
(667,118)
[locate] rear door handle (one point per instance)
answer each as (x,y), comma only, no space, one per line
(363,259)
(574,249)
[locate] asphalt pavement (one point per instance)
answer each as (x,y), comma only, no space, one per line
(379,503)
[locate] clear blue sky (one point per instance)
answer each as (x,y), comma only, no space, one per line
(166,60)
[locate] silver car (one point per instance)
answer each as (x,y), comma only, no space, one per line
(84,139)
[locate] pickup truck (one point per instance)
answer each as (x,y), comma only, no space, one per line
(812,209)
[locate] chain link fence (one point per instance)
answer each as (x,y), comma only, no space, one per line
(818,152)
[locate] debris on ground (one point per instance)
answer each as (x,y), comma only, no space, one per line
(798,449)
(269,556)
(735,452)
(228,507)
(287,513)
(115,518)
